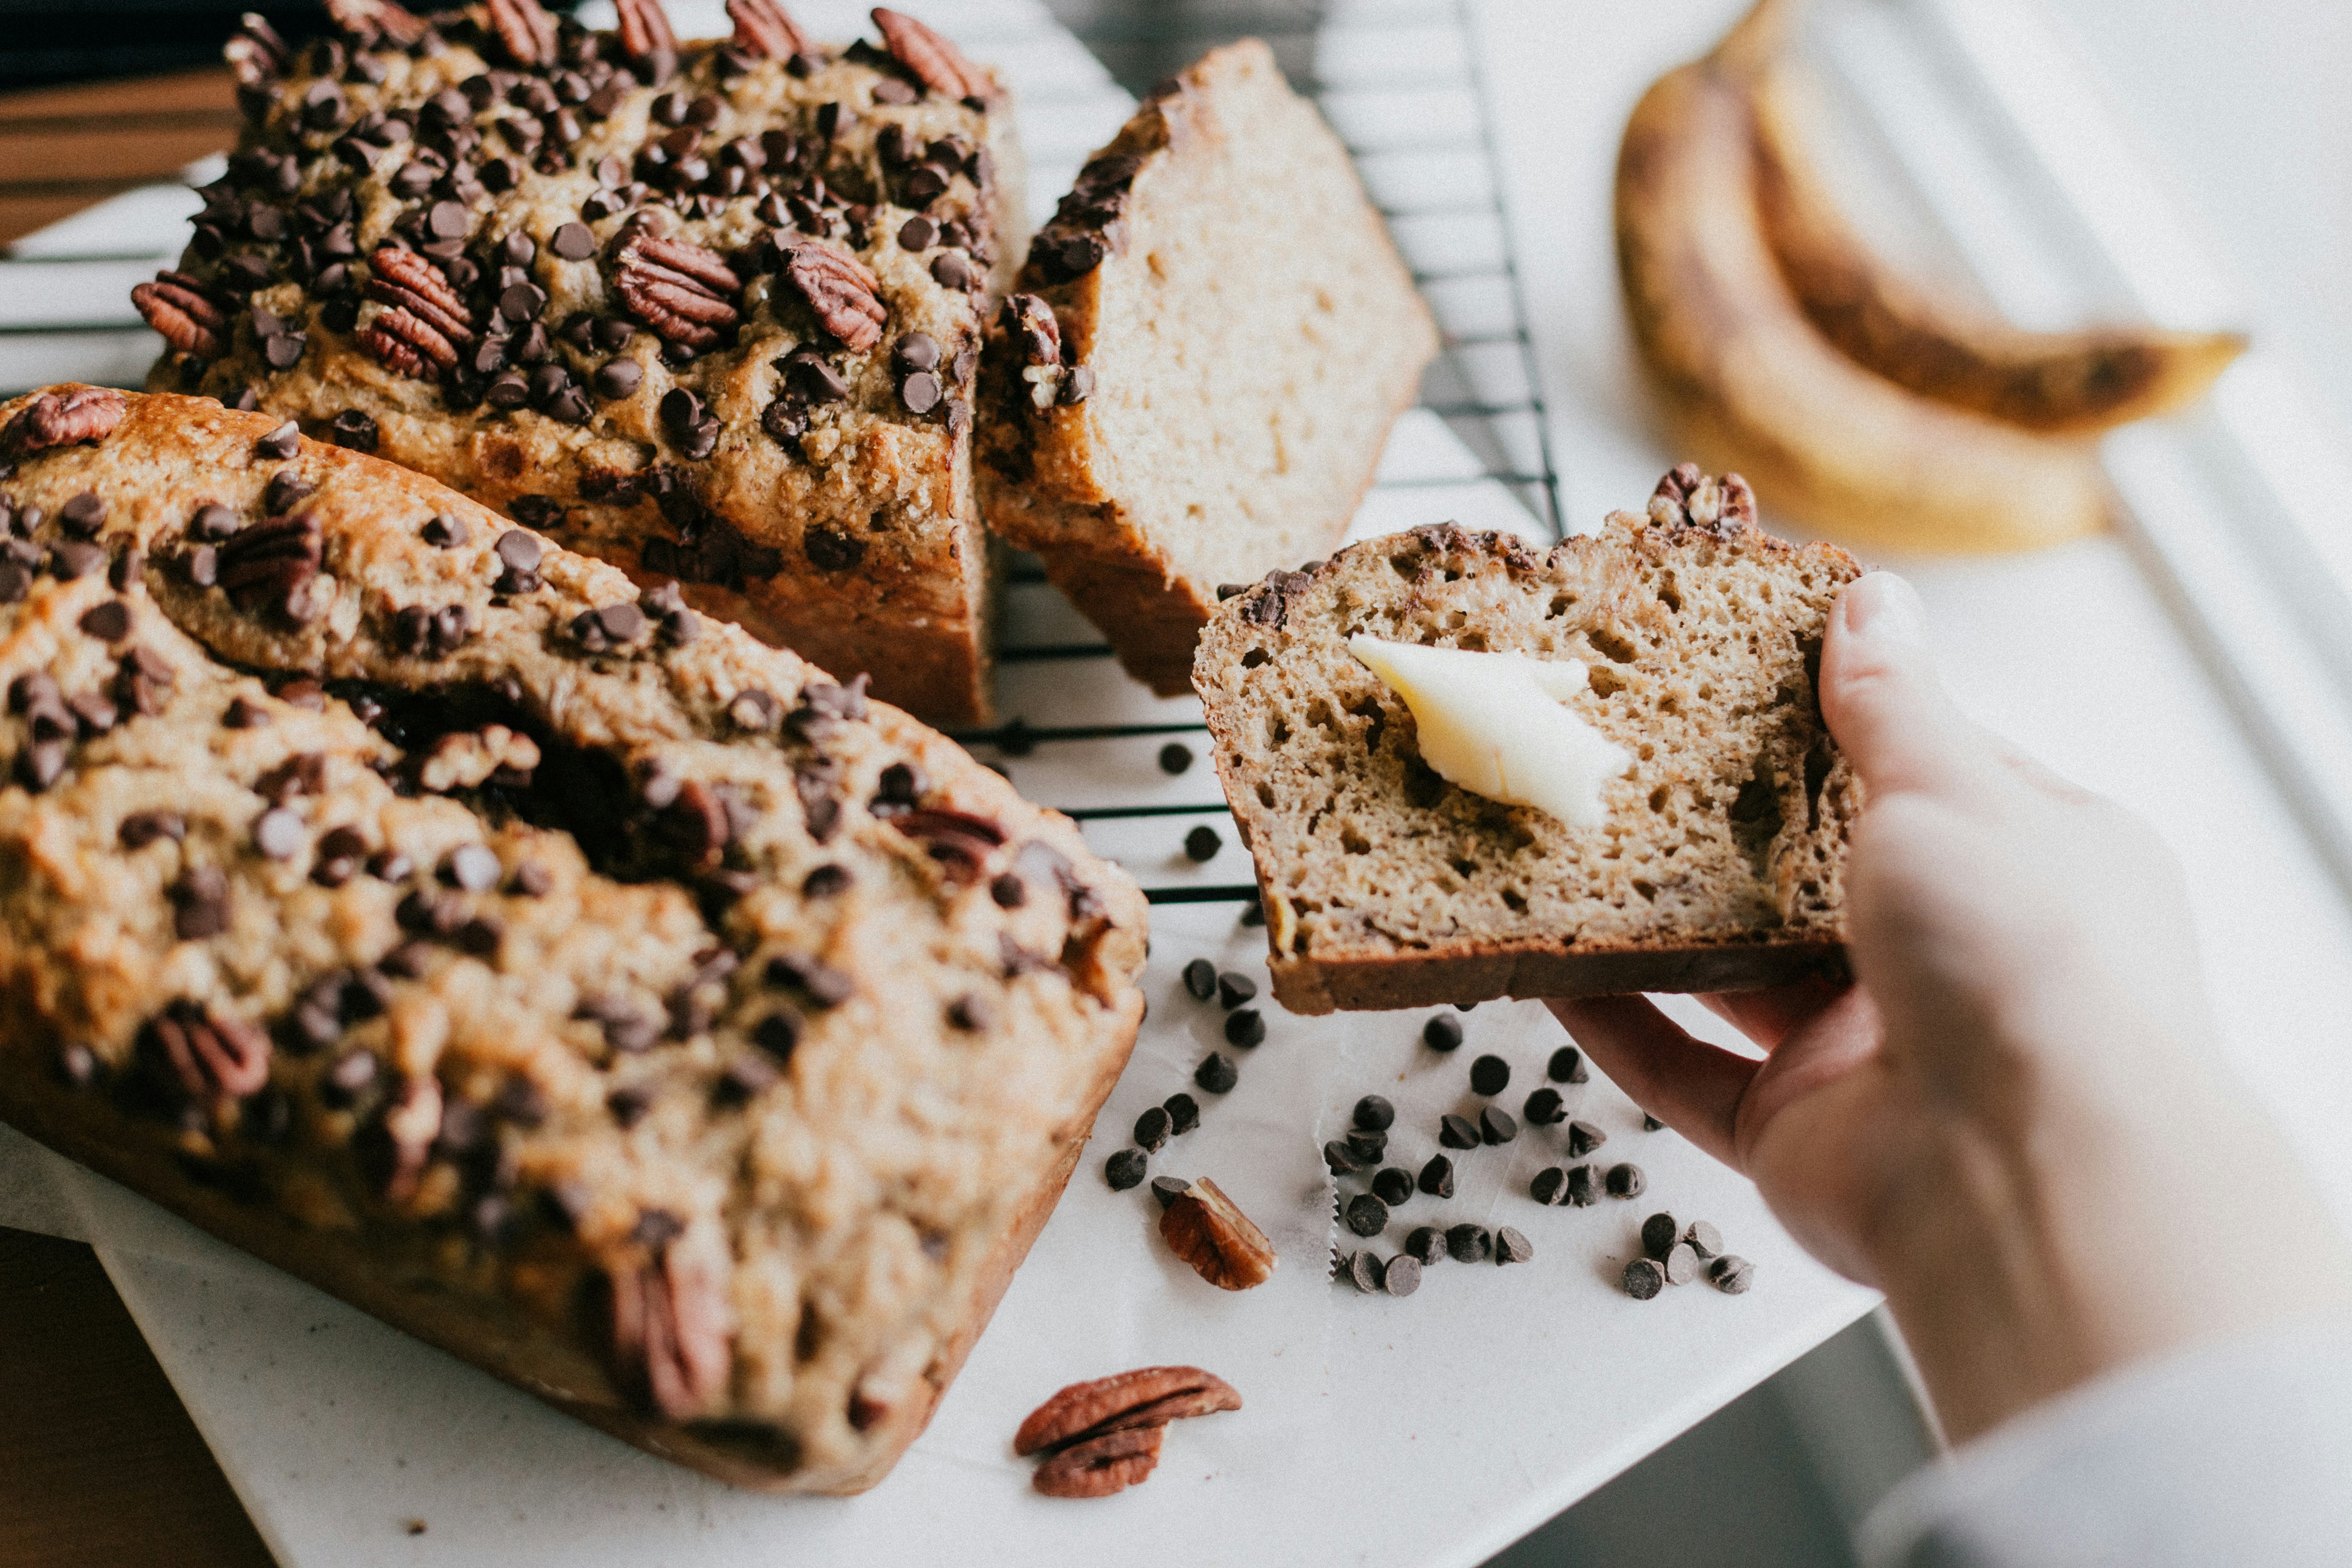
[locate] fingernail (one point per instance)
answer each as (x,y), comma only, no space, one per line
(1885,607)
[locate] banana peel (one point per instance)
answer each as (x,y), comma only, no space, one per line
(1939,347)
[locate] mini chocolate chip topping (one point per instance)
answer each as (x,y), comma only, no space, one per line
(245,715)
(282,442)
(142,828)
(83,514)
(445,530)
(72,558)
(108,622)
(574,242)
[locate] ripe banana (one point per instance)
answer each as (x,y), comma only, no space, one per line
(1747,381)
(2070,383)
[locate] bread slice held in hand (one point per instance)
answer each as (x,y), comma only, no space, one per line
(1713,856)
(1194,382)
(567,978)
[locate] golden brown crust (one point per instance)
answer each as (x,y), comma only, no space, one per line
(791,1232)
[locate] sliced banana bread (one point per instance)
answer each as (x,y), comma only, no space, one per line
(575,983)
(711,310)
(1215,337)
(1721,859)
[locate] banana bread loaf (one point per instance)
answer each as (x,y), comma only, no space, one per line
(582,986)
(709,310)
(1215,335)
(1721,859)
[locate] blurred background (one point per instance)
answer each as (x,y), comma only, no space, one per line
(2195,663)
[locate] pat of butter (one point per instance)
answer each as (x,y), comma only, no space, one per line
(1493,724)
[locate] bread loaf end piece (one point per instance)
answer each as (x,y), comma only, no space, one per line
(1213,337)
(1721,863)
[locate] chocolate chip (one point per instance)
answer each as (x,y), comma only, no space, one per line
(1183,1114)
(921,392)
(1009,890)
(953,269)
(1732,1275)
(918,234)
(619,378)
(1363,1269)
(745,1078)
(1200,979)
(573,241)
(72,560)
(519,550)
(1437,1177)
(282,442)
(1583,1138)
(278,833)
(1545,1109)
(1645,1277)
(1426,1245)
(1626,1181)
(355,431)
(1467,1243)
(83,514)
(1216,1074)
(1496,1125)
(108,622)
(1375,1114)
(1705,1240)
(1511,1245)
(1341,1160)
(1401,1275)
(245,715)
(128,567)
(41,765)
(1660,1232)
(1369,1147)
(1246,1029)
(200,902)
(1442,1033)
(1202,844)
(1682,1263)
(15,583)
(1457,1131)
(1549,1186)
(1167,1189)
(1651,1124)
(1367,1214)
(1393,1185)
(1233,989)
(825,882)
(1153,1130)
(142,828)
(628,1106)
(1126,1169)
(971,1012)
(1567,1065)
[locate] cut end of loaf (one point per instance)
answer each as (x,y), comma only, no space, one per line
(1721,864)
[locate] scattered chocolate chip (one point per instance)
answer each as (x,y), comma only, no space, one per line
(1375,1114)
(71,559)
(281,443)
(1393,1185)
(1009,890)
(1202,844)
(200,902)
(1216,1074)
(1490,1075)
(778,1034)
(1567,1065)
(1442,1033)
(1437,1177)
(1626,1181)
(1364,1270)
(1583,1138)
(1467,1243)
(618,378)
(1246,1029)
(1549,1186)
(128,567)
(1370,1146)
(1545,1109)
(1183,1114)
(746,1077)
(1233,989)
(1496,1125)
(1200,979)
(1682,1263)
(1705,1240)
(1732,1275)
(1153,1130)
(355,431)
(1659,1234)
(1167,1189)
(1651,1124)
(1367,1214)
(1645,1277)
(1341,1160)
(1511,1245)
(446,531)
(1403,1275)
(1126,1169)
(1457,1131)
(1426,1245)
(108,622)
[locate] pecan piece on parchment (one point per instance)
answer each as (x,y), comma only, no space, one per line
(671,1331)
(406,345)
(846,296)
(936,63)
(77,415)
(526,31)
(176,305)
(405,280)
(1148,1397)
(1204,1228)
(683,292)
(761,28)
(1101,1466)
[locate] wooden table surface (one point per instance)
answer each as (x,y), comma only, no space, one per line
(100,1464)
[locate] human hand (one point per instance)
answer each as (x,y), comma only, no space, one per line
(2005,1124)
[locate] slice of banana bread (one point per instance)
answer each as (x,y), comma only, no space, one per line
(1721,861)
(577,984)
(1215,337)
(709,310)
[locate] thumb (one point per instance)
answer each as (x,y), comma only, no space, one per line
(1879,692)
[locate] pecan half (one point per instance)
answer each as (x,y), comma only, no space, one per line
(961,842)
(369,20)
(395,1147)
(527,31)
(176,306)
(936,63)
(761,28)
(271,564)
(645,30)
(1688,498)
(255,54)
(1148,1397)
(846,296)
(77,415)
(407,343)
(211,1054)
(1101,1466)
(405,280)
(682,291)
(1204,1228)
(670,1332)
(467,759)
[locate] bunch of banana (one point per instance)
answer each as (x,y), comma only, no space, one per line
(1854,400)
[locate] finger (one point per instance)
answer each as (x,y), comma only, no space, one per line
(1879,692)
(1768,1017)
(1838,1040)
(1689,1085)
